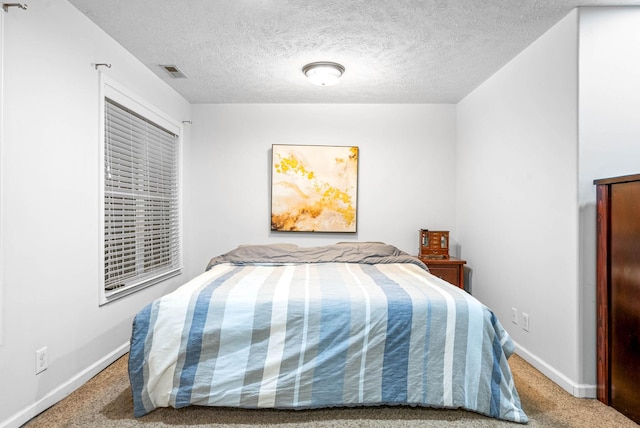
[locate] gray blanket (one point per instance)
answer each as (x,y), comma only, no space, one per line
(342,252)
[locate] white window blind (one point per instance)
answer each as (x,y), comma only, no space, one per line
(141,201)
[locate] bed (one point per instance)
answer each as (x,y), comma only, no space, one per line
(349,324)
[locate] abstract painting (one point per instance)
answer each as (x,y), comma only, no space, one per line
(314,188)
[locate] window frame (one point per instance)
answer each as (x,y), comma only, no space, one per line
(116,92)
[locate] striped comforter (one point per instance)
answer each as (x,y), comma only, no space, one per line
(308,335)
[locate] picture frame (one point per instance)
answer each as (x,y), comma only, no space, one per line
(314,188)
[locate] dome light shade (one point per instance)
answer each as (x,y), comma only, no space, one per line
(323,73)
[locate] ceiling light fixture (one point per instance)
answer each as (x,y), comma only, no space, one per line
(323,73)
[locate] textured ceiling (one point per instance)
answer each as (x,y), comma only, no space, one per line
(394,51)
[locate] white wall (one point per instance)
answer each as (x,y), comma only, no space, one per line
(406,171)
(50,221)
(517,215)
(609,134)
(1,157)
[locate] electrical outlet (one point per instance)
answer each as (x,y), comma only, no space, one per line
(525,321)
(42,360)
(514,315)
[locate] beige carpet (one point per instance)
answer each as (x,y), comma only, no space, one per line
(105,401)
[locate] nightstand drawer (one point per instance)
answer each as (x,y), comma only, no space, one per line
(448,273)
(451,269)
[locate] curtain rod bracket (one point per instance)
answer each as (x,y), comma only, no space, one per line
(186,122)
(102,65)
(6,6)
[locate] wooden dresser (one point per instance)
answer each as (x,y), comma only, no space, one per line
(618,293)
(451,269)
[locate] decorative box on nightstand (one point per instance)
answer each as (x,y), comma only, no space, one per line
(434,244)
(451,269)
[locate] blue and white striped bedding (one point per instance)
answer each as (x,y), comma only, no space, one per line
(308,335)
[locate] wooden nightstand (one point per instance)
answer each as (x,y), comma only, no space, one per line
(451,269)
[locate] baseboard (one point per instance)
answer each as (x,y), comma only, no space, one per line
(63,390)
(577,390)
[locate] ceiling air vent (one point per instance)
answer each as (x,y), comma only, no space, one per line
(174,72)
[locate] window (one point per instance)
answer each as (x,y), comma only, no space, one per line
(142,242)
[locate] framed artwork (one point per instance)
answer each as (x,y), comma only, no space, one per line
(314,188)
